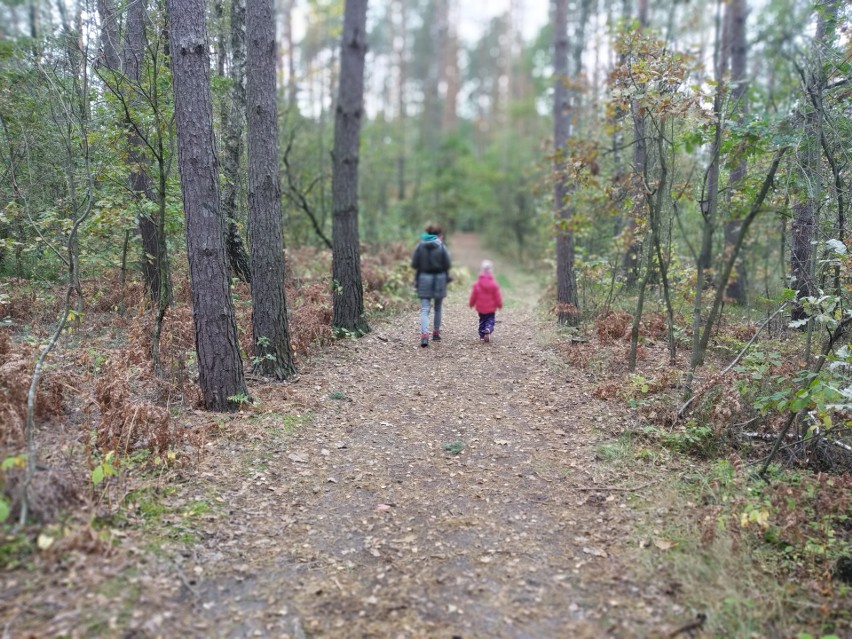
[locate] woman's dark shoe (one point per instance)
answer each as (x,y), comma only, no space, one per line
(436,336)
(424,340)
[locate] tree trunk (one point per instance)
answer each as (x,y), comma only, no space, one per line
(127,88)
(804,226)
(109,35)
(292,88)
(640,155)
(233,124)
(402,77)
(273,354)
(154,255)
(220,368)
(35,24)
(348,292)
(566,279)
(735,15)
(709,207)
(452,80)
(728,265)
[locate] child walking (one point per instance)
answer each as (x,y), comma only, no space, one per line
(486,298)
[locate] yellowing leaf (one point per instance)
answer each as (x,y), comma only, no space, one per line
(664,544)
(17,461)
(44,541)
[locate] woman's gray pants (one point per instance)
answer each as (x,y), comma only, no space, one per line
(424,314)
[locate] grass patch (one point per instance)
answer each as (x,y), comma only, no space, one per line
(123,595)
(725,564)
(16,550)
(284,425)
(199,508)
(617,451)
(162,522)
(738,603)
(454,448)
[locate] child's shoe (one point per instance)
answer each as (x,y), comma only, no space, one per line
(424,340)
(486,337)
(436,336)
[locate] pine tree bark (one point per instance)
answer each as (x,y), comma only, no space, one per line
(566,278)
(220,368)
(348,292)
(109,35)
(233,151)
(272,350)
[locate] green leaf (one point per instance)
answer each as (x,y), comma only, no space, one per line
(16,461)
(788,294)
(98,474)
(4,510)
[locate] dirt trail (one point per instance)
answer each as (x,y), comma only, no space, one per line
(355,521)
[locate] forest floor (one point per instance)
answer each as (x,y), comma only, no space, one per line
(389,491)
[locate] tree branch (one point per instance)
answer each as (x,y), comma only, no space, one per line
(296,195)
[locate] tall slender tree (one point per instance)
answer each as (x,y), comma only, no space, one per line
(272,350)
(400,42)
(632,256)
(566,278)
(288,9)
(348,291)
(805,220)
(233,122)
(140,181)
(220,368)
(126,84)
(737,45)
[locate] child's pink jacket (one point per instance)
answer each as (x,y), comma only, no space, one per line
(485,295)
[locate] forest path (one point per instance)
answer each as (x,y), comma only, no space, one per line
(362,524)
(333,508)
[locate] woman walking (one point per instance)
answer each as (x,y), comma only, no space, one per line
(431,261)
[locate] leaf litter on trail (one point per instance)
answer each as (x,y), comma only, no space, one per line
(376,529)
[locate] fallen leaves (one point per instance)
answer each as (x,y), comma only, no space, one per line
(664,544)
(368,524)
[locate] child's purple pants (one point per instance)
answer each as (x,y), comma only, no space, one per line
(486,323)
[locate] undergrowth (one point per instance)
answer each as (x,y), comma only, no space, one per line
(761,557)
(108,426)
